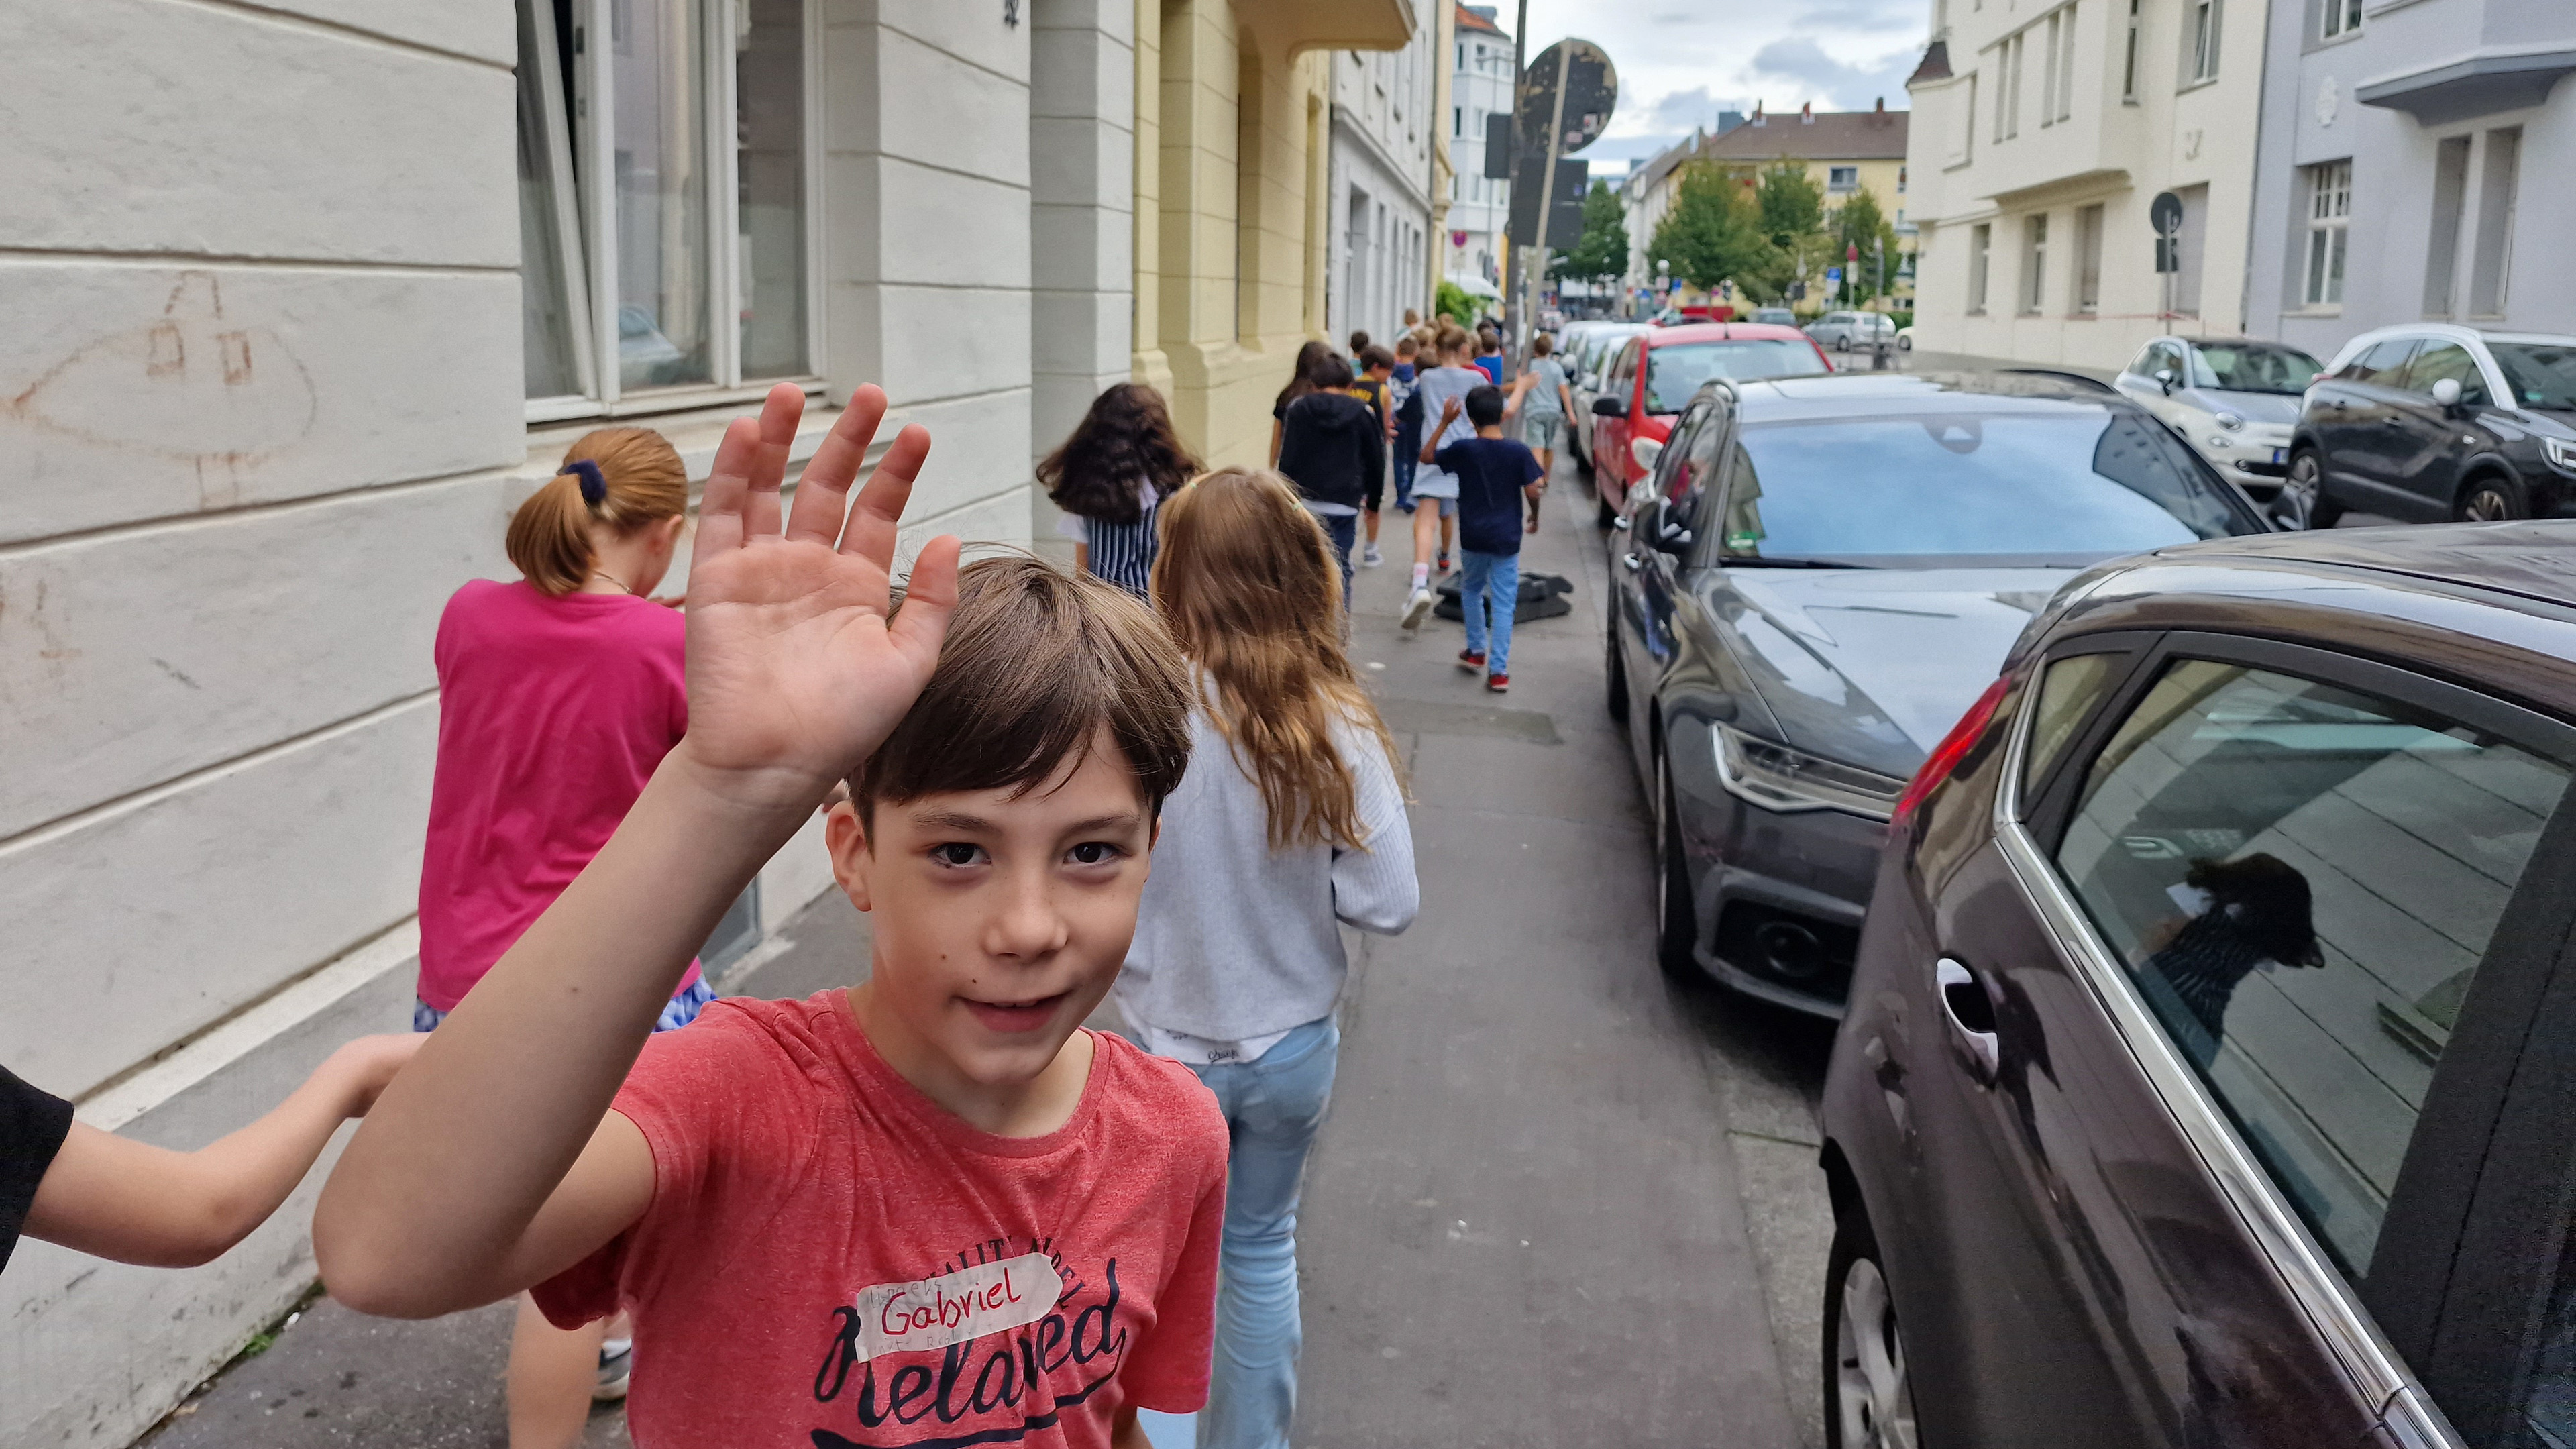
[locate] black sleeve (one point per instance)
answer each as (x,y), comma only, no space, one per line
(33,1125)
(1373,459)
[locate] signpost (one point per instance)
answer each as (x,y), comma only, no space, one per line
(2165,215)
(1564,97)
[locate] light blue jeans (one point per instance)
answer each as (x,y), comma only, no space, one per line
(1272,1107)
(1493,578)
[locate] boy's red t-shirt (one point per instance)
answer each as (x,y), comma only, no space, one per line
(832,1259)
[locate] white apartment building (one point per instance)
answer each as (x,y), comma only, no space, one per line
(302,298)
(1480,206)
(1380,183)
(2041,134)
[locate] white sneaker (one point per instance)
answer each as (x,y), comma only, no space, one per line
(616,1368)
(1370,558)
(1417,609)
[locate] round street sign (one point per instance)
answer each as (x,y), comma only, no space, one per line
(2165,213)
(1591,90)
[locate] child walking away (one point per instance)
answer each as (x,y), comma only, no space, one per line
(1448,381)
(929,1209)
(1289,822)
(1302,379)
(558,697)
(1539,395)
(1376,387)
(1495,478)
(1122,461)
(1403,391)
(1334,450)
(93,1192)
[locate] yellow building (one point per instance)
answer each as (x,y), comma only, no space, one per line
(1845,153)
(1232,104)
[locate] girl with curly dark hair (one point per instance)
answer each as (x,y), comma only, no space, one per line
(1122,461)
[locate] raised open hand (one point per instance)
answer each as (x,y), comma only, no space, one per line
(795,671)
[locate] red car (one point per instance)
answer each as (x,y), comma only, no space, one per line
(1653,377)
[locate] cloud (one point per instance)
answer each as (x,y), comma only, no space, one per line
(1676,112)
(1844,86)
(1864,15)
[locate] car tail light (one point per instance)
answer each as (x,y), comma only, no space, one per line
(1953,748)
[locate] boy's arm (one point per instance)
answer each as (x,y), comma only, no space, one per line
(493,1162)
(1126,1433)
(114,1198)
(1431,443)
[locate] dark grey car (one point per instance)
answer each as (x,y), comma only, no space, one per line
(1813,583)
(2213,1045)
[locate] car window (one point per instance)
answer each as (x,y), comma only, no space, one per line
(2384,363)
(1668,463)
(2439,360)
(2301,879)
(2541,374)
(2067,693)
(1674,373)
(2144,364)
(2165,357)
(2243,368)
(2063,487)
(1699,464)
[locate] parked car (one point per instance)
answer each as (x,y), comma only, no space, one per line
(1905,338)
(1773,316)
(2426,422)
(1583,379)
(2205,1079)
(1657,371)
(1817,579)
(1842,331)
(2233,401)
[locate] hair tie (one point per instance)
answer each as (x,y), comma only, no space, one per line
(594,484)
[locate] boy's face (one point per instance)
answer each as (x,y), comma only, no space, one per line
(1000,920)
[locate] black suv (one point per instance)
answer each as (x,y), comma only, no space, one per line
(2427,422)
(2212,1048)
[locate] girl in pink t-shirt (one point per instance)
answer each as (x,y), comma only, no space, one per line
(558,697)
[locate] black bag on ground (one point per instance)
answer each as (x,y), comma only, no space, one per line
(1542,596)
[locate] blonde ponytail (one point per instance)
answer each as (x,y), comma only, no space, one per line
(623,478)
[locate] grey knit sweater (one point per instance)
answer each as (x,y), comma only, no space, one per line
(1235,940)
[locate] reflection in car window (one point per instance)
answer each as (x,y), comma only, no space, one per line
(2064,487)
(2302,880)
(2384,363)
(1674,373)
(2541,374)
(2439,360)
(2240,368)
(2067,693)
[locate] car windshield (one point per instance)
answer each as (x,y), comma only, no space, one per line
(2066,487)
(1781,315)
(2239,368)
(2541,374)
(1674,373)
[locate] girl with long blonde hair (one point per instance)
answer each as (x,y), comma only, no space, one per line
(1289,824)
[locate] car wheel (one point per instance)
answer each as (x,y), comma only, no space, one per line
(1869,1402)
(1843,343)
(1676,924)
(1905,344)
(2489,499)
(1615,667)
(2302,501)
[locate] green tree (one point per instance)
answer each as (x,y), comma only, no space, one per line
(1456,304)
(1603,253)
(1791,215)
(1712,234)
(1859,224)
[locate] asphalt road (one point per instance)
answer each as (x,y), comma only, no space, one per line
(1559,1199)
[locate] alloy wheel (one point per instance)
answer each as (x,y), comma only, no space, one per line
(2487,504)
(2296,504)
(1871,1395)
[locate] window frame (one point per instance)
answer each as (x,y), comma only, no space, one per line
(2336,224)
(2032,286)
(2436,1204)
(2337,19)
(2205,23)
(590,269)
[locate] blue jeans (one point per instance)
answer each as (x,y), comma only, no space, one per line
(1408,456)
(1491,579)
(1344,530)
(1272,1107)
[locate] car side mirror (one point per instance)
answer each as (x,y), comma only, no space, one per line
(1610,407)
(2446,392)
(1645,451)
(2165,379)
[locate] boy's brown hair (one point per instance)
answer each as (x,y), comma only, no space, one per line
(1036,663)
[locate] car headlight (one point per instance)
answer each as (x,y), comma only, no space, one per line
(2560,452)
(1777,777)
(2230,421)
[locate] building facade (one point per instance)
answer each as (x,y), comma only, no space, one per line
(1480,206)
(1846,154)
(2397,141)
(1380,181)
(290,344)
(1646,194)
(2041,138)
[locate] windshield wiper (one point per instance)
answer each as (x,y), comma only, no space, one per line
(1755,561)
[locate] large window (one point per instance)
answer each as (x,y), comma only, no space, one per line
(2204,40)
(2088,260)
(1981,250)
(2034,262)
(2498,181)
(2329,215)
(664,175)
(2129,60)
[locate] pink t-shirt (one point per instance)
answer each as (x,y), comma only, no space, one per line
(832,1260)
(552,713)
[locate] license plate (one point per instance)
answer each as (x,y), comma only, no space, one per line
(2280,455)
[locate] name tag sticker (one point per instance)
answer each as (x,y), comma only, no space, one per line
(954,1307)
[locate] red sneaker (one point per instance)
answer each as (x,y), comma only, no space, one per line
(1471,660)
(1497,683)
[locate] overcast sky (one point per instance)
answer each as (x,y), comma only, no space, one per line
(1680,62)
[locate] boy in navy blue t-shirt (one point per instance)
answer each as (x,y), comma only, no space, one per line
(1495,476)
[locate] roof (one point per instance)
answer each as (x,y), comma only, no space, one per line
(1934,66)
(1470,20)
(1854,394)
(1722,332)
(2535,559)
(1830,136)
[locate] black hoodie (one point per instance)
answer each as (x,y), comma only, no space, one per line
(1332,446)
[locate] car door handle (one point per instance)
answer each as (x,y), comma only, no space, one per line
(1971,1016)
(1632,562)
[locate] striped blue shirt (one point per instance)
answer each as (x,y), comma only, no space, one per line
(1121,553)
